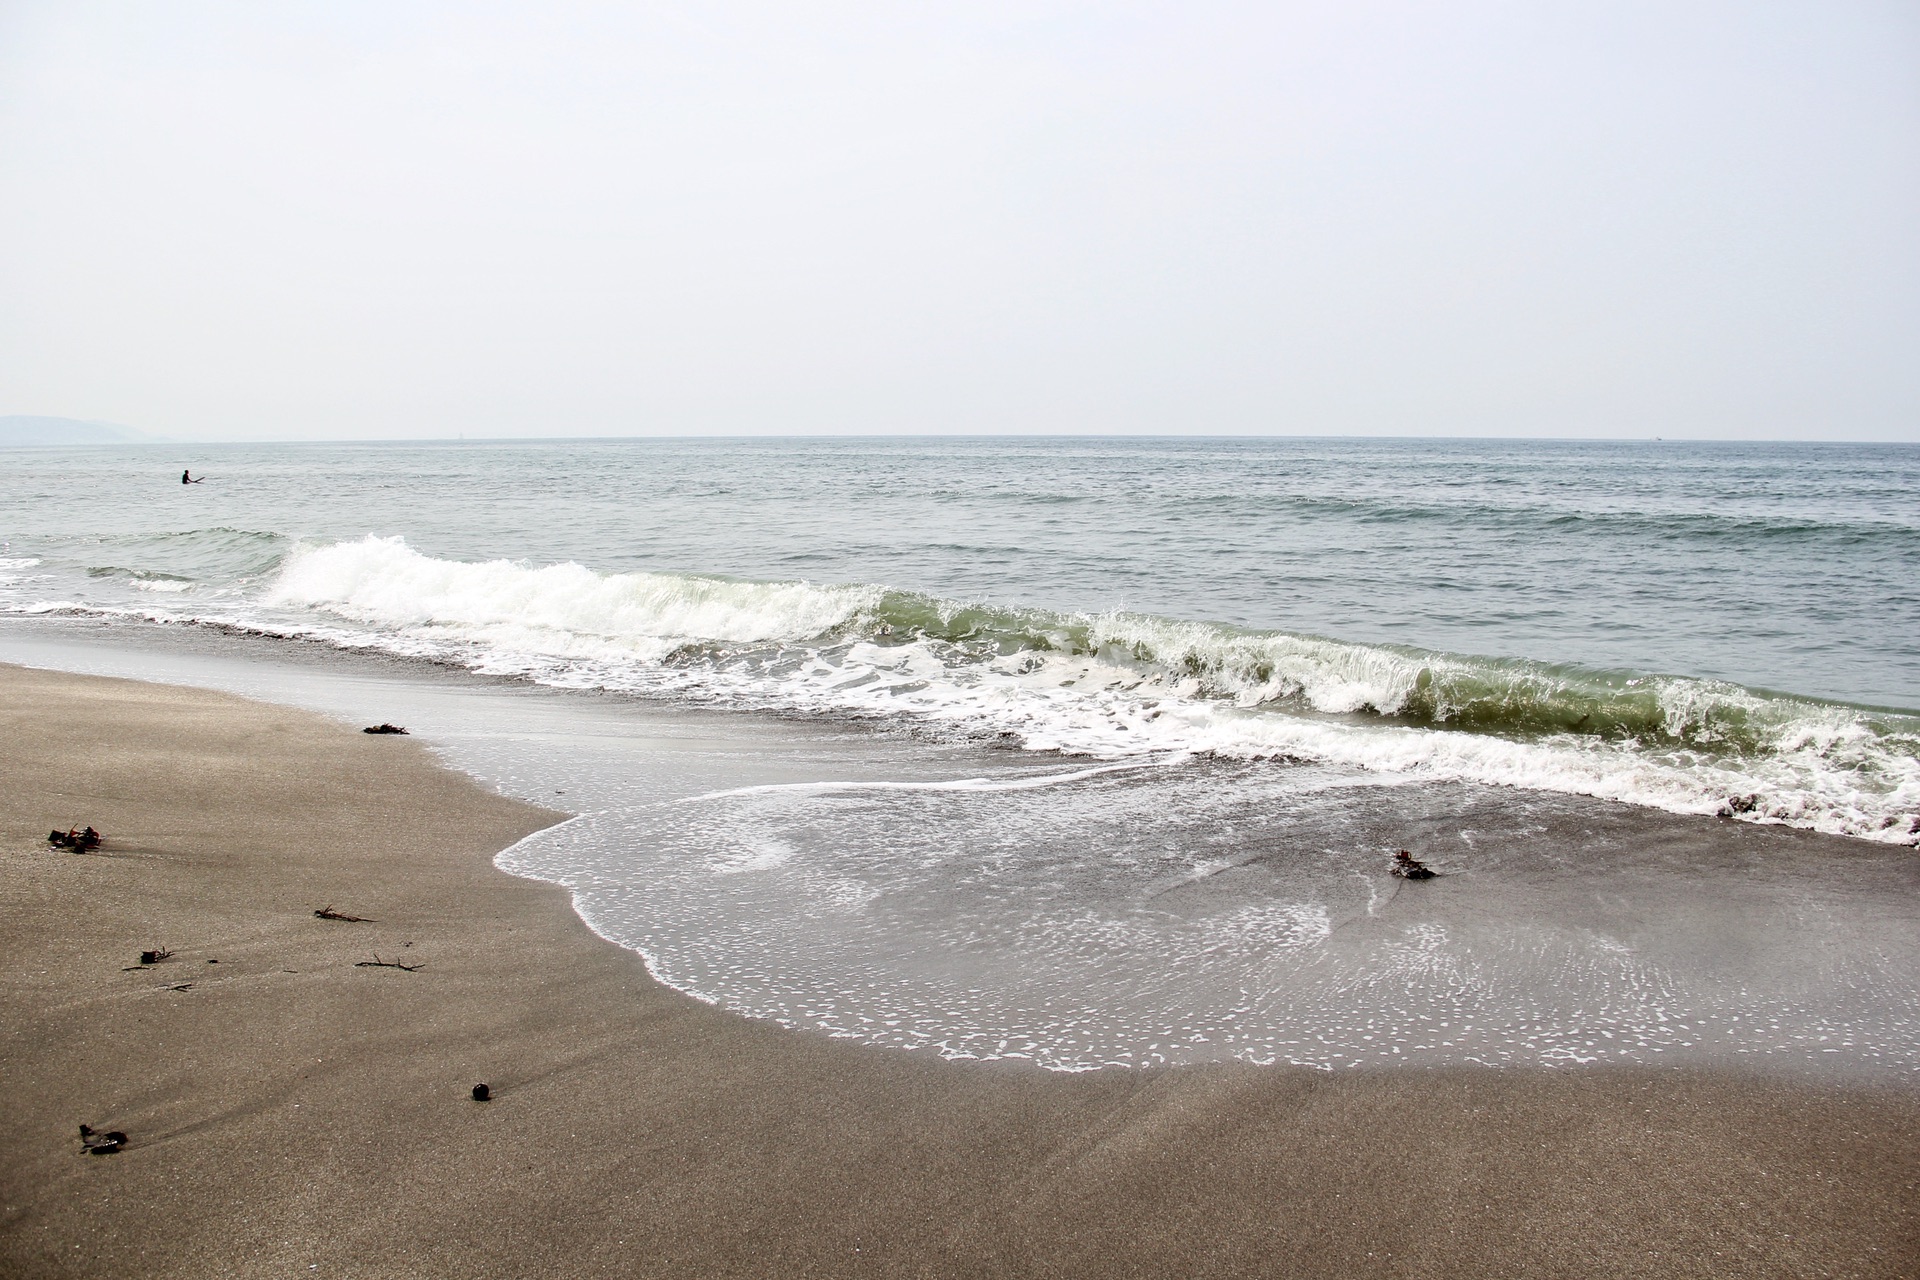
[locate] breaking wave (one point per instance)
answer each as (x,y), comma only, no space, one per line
(1119,685)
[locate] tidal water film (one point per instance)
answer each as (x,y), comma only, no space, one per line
(1099,752)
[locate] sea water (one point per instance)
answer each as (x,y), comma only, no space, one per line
(1120,735)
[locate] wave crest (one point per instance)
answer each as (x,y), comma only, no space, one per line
(1123,684)
(560,608)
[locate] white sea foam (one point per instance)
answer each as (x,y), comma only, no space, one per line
(1142,906)
(561,610)
(1208,911)
(14,569)
(1116,687)
(1030,782)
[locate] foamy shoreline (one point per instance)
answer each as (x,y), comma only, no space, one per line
(1111,686)
(979,905)
(319,1118)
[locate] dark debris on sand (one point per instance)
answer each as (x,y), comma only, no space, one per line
(1408,867)
(378,963)
(383,728)
(78,841)
(95,1143)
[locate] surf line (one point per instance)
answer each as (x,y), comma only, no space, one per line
(957,784)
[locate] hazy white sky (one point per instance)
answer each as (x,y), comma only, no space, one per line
(394,219)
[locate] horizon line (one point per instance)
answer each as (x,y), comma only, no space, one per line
(164,441)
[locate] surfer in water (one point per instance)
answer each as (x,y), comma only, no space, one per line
(186,477)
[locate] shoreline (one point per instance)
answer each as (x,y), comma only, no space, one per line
(319,1118)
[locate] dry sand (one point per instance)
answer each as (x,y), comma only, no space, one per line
(292,1114)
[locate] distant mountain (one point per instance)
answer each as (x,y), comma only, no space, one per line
(26,429)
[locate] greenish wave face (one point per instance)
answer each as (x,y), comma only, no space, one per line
(1113,684)
(1312,674)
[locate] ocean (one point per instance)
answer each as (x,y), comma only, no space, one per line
(1096,751)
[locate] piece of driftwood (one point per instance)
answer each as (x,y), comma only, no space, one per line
(181,986)
(328,913)
(378,963)
(383,728)
(95,1143)
(1408,867)
(482,1094)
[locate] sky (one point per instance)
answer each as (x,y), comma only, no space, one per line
(410,220)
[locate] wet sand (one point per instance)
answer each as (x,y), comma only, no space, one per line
(293,1113)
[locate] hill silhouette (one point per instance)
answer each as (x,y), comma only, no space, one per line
(30,429)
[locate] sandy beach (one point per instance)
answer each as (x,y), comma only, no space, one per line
(293,1111)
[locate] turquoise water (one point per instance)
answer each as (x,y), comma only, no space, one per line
(1699,628)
